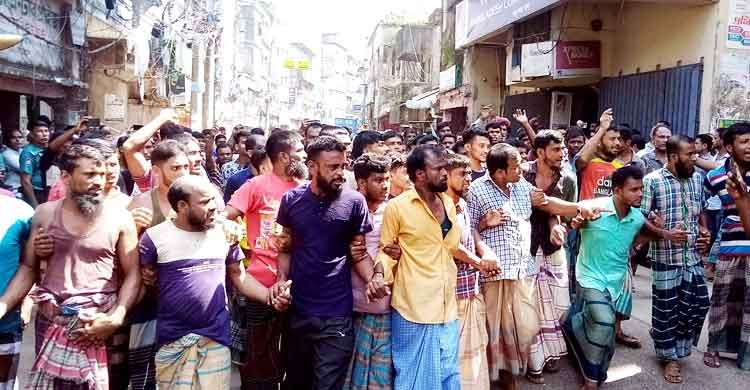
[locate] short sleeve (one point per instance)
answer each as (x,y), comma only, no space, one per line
(234,255)
(360,218)
(246,199)
(26,162)
(708,189)
(282,218)
(147,250)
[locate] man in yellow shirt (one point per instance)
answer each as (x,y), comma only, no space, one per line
(424,323)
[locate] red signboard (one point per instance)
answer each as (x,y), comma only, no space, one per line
(577,58)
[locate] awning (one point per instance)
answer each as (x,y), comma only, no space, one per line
(423,101)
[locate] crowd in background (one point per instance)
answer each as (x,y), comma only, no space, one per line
(330,258)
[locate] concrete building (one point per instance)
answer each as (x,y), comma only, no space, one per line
(563,61)
(300,95)
(44,74)
(341,83)
(404,66)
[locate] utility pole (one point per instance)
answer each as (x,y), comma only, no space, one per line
(208,93)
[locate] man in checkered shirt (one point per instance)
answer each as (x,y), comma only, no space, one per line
(499,206)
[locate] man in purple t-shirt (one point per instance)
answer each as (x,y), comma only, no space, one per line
(321,221)
(191,255)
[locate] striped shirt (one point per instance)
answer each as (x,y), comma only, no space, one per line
(733,239)
(678,201)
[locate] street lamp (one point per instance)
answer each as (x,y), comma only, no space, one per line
(9,40)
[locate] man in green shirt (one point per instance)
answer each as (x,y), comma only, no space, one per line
(32,177)
(601,273)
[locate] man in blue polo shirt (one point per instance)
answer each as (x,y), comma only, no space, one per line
(14,230)
(321,219)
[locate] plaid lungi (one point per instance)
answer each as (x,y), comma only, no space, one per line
(729,315)
(372,361)
(142,344)
(549,344)
(679,306)
(425,356)
(512,322)
(472,344)
(590,329)
(193,362)
(10,351)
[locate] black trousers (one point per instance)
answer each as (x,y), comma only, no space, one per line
(317,352)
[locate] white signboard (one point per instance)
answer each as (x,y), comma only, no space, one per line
(537,59)
(114,108)
(561,110)
(448,79)
(738,25)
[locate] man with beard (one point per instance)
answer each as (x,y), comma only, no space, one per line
(729,314)
(91,281)
(320,220)
(547,237)
(679,292)
(33,183)
(477,145)
(602,273)
(258,201)
(500,206)
(424,324)
(657,157)
(472,315)
(191,256)
(371,365)
(149,209)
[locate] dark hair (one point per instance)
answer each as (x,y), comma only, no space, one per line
(451,135)
(324,144)
(165,150)
(516,143)
(630,171)
(239,134)
(68,160)
(362,141)
(493,125)
(170,129)
(673,143)
(546,137)
(6,133)
(198,135)
(425,139)
(456,161)
(179,191)
(474,132)
(222,145)
(444,124)
(257,157)
(418,158)
(735,130)
(663,123)
(258,131)
(638,141)
(105,133)
(251,143)
(391,134)
(40,123)
(499,157)
(220,135)
(183,138)
(316,125)
(370,163)
(658,126)
(574,132)
(397,161)
(331,131)
(706,139)
(626,133)
(104,146)
(281,142)
(459,147)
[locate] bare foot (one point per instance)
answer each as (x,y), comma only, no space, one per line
(711,359)
(673,372)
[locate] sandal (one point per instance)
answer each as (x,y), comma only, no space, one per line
(673,372)
(711,359)
(628,341)
(537,379)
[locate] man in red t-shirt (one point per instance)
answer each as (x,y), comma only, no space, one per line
(258,201)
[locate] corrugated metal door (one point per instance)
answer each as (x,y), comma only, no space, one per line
(643,99)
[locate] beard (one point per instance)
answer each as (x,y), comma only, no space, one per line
(684,172)
(87,204)
(328,187)
(439,187)
(297,170)
(200,223)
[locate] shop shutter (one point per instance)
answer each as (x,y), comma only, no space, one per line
(642,99)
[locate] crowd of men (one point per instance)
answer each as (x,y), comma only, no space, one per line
(327,259)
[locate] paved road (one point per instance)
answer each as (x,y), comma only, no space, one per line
(630,369)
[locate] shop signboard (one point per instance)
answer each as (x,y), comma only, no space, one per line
(477,19)
(536,59)
(577,59)
(738,26)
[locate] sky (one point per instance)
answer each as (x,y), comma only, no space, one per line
(354,20)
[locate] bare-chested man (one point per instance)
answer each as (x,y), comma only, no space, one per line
(91,282)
